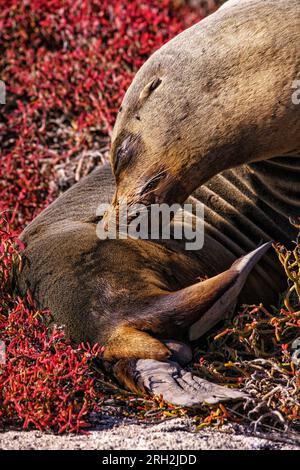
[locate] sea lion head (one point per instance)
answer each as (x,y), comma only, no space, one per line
(168,137)
(149,141)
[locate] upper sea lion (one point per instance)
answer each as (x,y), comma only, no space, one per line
(219,95)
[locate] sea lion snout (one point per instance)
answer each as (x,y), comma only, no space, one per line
(161,187)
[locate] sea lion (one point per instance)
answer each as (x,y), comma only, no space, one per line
(206,102)
(219,95)
(141,299)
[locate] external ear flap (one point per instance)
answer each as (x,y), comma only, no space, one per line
(199,307)
(151,86)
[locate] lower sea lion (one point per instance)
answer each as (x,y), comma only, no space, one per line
(141,299)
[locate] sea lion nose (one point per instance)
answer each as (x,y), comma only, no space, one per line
(110,220)
(106,218)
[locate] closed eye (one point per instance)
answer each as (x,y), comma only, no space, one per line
(123,153)
(118,157)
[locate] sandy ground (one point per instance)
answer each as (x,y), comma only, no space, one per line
(176,434)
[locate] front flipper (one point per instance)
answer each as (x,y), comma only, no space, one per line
(177,385)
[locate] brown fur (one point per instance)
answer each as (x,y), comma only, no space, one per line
(130,342)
